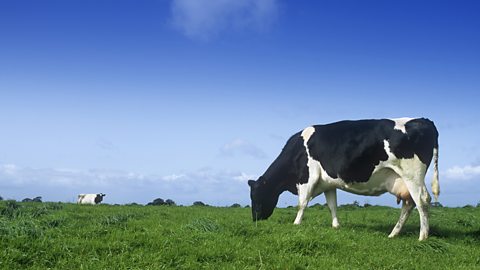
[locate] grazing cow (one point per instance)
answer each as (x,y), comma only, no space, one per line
(90,198)
(366,157)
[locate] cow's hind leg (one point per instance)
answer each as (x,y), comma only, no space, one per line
(422,199)
(407,207)
(331,197)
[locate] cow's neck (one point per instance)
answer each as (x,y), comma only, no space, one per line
(278,178)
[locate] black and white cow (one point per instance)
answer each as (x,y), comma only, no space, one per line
(366,157)
(94,198)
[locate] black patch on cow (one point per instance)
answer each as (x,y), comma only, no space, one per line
(300,161)
(350,149)
(421,138)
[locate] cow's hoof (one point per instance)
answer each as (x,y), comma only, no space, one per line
(422,238)
(335,223)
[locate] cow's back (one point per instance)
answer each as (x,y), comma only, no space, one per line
(350,150)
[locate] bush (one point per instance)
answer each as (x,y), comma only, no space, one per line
(436,204)
(170,202)
(235,205)
(1,198)
(157,201)
(160,201)
(199,203)
(317,205)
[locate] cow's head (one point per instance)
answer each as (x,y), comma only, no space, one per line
(99,197)
(263,199)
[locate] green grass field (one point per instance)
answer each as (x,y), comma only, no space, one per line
(69,236)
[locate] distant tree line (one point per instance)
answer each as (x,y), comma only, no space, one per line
(36,199)
(170,202)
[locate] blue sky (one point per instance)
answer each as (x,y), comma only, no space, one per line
(189,99)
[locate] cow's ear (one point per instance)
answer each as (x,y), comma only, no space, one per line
(251,183)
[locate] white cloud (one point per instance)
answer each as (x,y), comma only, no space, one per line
(173,177)
(12,175)
(463,173)
(202,19)
(8,169)
(239,146)
(243,177)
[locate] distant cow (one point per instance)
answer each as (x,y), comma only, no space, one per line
(90,198)
(366,157)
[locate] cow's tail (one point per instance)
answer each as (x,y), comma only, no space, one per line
(435,183)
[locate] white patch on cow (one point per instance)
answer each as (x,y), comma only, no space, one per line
(386,146)
(413,168)
(380,182)
(400,123)
(306,134)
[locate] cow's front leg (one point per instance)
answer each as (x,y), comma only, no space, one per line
(304,196)
(331,197)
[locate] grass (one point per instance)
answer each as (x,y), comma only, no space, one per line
(69,236)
